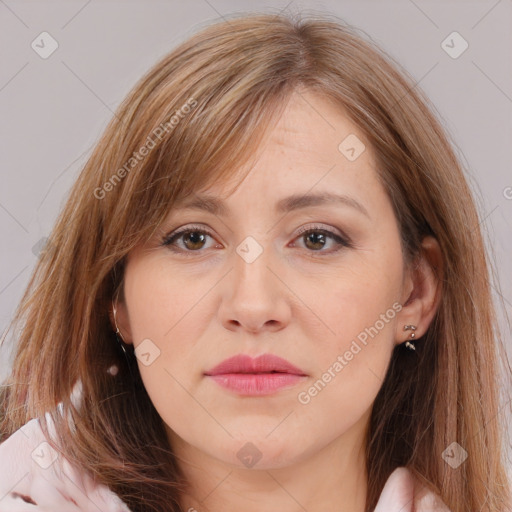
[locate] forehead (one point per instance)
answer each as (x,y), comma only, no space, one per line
(313,155)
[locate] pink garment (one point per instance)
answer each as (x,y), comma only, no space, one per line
(29,472)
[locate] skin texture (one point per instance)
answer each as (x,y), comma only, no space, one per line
(300,300)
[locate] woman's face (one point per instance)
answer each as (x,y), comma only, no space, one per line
(246,280)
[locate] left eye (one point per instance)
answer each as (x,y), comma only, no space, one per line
(194,239)
(317,239)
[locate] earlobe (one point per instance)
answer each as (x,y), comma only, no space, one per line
(425,277)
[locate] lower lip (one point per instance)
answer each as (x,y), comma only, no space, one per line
(256,383)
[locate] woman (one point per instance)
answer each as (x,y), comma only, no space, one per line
(268,290)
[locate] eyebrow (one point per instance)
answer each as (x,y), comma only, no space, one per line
(215,206)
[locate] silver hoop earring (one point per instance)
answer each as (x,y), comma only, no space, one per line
(119,336)
(114,311)
(113,370)
(408,344)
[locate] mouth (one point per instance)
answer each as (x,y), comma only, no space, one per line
(263,375)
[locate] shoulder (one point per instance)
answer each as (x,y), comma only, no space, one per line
(33,473)
(402,492)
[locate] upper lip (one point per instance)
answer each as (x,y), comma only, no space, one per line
(266,363)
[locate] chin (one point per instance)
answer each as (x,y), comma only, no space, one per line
(260,452)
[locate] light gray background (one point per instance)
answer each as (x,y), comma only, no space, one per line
(54,110)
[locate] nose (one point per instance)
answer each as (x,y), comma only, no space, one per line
(254,298)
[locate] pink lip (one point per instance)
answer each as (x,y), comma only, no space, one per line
(260,376)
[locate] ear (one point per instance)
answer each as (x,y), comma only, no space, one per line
(118,315)
(422,290)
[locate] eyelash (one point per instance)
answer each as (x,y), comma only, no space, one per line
(169,240)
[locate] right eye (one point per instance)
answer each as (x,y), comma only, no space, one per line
(192,238)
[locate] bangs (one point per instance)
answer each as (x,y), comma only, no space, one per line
(191,143)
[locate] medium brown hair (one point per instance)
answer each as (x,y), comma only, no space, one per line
(236,77)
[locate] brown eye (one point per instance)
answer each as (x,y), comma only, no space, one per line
(315,239)
(193,239)
(188,240)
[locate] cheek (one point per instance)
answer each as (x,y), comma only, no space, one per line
(361,311)
(362,298)
(158,298)
(351,363)
(159,304)
(171,308)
